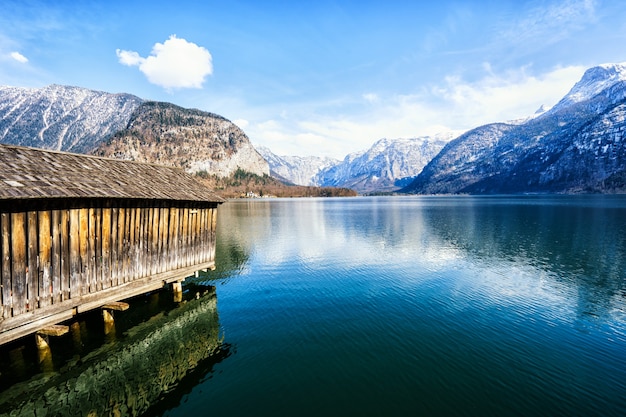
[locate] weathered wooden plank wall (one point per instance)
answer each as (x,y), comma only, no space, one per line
(54,255)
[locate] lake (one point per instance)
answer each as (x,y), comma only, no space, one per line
(435,306)
(420,306)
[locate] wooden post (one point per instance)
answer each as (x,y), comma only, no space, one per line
(107,315)
(54,330)
(177,289)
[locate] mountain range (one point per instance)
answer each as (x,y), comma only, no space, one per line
(388,165)
(576,146)
(123,126)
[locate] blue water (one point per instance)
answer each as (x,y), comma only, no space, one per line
(455,306)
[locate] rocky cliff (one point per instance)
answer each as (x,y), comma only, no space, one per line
(194,140)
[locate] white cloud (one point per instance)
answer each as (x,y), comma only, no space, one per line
(507,96)
(175,63)
(453,105)
(19,57)
(370,97)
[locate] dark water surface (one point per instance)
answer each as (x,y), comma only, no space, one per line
(386,306)
(468,306)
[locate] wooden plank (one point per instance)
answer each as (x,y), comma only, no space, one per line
(163,229)
(116,305)
(154,237)
(121,227)
(75,267)
(18,264)
(54,330)
(32,271)
(135,243)
(194,235)
(213,232)
(128,254)
(114,250)
(149,249)
(64,230)
(106,247)
(92,283)
(172,243)
(55,261)
(98,248)
(5,271)
(45,256)
(143,248)
(83,247)
(204,236)
(185,238)
(32,323)
(132,249)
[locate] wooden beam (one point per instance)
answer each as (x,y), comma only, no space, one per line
(54,330)
(116,305)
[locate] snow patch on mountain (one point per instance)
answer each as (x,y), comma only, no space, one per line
(62,118)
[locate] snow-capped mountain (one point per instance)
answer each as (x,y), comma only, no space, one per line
(576,146)
(125,126)
(60,117)
(386,166)
(298,170)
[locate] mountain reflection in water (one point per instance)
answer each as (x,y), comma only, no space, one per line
(459,305)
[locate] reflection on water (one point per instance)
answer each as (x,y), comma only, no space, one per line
(421,306)
(579,242)
(146,358)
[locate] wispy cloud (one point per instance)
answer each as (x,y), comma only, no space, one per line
(452,105)
(549,22)
(19,57)
(175,63)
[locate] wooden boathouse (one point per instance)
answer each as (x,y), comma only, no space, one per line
(81,232)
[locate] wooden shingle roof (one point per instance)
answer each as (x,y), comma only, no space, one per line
(29,173)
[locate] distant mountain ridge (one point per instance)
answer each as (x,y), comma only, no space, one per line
(124,126)
(388,165)
(299,170)
(576,146)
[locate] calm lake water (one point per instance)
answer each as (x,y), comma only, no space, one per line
(396,306)
(468,306)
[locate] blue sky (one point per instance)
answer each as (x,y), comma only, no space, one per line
(321,77)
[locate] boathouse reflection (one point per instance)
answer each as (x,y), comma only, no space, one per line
(141,368)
